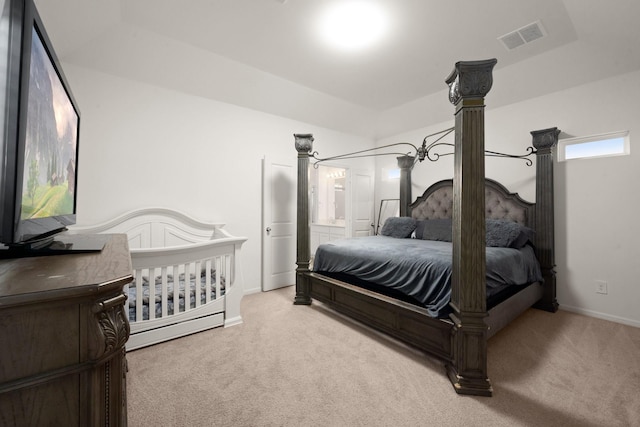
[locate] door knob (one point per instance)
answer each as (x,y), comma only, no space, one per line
(268,230)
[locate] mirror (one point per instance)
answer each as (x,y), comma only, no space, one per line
(328,189)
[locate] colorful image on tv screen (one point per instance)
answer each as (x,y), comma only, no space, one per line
(51,138)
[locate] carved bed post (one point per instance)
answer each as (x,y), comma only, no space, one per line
(468,84)
(405,163)
(544,142)
(304,145)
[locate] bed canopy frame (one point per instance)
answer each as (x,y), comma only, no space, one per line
(461,340)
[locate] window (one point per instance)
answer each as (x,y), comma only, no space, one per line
(605,145)
(392,173)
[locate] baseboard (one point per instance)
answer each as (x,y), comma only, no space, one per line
(599,315)
(232,321)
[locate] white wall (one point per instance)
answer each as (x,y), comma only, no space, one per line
(142,145)
(597,230)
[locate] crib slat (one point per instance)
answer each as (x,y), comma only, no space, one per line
(208,281)
(139,295)
(176,289)
(218,267)
(165,293)
(152,293)
(184,284)
(197,277)
(187,290)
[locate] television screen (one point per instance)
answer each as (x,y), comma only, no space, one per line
(39,148)
(49,168)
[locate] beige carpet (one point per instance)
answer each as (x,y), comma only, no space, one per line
(307,366)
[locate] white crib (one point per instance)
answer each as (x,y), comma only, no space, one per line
(177,258)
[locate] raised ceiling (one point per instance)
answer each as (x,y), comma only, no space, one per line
(267,55)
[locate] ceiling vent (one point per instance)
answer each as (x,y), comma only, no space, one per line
(523,35)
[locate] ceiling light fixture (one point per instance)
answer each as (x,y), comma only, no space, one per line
(353,25)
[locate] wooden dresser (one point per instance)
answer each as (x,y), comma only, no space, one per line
(63,331)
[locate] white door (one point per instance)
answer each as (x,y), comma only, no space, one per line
(278,223)
(362,203)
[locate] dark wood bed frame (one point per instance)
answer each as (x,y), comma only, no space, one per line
(461,340)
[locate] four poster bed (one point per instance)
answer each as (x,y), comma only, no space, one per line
(453,320)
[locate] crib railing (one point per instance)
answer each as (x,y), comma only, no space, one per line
(158,292)
(168,249)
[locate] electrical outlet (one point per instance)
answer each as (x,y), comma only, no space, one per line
(601,287)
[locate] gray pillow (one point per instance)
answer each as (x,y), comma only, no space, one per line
(398,226)
(434,229)
(507,234)
(500,233)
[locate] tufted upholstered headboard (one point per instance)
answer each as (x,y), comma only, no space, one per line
(437,203)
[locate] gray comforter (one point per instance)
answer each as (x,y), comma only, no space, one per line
(421,269)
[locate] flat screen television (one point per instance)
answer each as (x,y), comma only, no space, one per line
(41,134)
